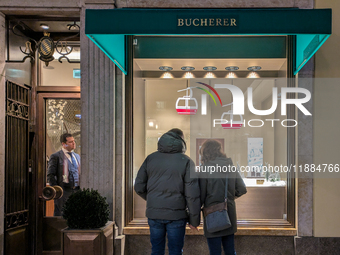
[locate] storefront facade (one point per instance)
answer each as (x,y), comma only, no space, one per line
(136,84)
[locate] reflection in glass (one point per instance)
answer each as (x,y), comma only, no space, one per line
(248,146)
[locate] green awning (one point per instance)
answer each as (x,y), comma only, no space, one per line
(108,28)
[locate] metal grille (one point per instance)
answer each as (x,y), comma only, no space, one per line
(16,162)
(63,116)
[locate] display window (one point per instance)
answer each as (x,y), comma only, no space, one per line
(197,93)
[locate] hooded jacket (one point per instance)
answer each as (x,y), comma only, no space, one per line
(213,192)
(164,182)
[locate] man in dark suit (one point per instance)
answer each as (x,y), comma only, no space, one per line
(63,170)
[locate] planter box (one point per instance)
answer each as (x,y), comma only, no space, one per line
(88,241)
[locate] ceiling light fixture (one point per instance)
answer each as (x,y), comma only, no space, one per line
(254,68)
(209,68)
(188,75)
(188,68)
(210,75)
(232,68)
(44,26)
(165,68)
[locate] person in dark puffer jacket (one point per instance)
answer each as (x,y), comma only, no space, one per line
(172,197)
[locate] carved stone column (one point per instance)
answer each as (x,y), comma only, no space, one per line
(98,117)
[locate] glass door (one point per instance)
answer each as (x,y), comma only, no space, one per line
(62,116)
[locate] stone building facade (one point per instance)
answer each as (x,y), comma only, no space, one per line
(103,137)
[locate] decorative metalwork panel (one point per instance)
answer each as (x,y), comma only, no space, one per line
(45,46)
(16,161)
(17,109)
(17,219)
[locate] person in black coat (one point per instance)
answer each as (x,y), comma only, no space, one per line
(172,197)
(213,192)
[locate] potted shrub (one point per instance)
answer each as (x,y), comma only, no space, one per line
(89,231)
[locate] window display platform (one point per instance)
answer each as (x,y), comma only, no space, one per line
(245,231)
(262,202)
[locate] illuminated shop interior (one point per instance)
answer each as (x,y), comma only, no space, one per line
(184,93)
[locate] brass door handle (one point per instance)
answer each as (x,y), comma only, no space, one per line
(52,192)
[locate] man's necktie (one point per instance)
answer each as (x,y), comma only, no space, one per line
(73,159)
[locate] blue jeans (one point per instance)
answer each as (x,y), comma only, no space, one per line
(227,243)
(175,229)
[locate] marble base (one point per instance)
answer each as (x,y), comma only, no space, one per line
(119,245)
(264,245)
(247,245)
(317,245)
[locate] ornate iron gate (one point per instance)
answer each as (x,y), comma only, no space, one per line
(16,169)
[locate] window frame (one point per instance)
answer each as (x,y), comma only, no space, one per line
(288,225)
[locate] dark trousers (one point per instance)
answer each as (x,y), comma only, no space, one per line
(175,229)
(59,203)
(227,243)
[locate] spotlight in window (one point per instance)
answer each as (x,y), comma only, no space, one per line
(165,68)
(151,123)
(254,68)
(167,75)
(209,75)
(188,68)
(209,68)
(253,75)
(232,68)
(188,75)
(231,75)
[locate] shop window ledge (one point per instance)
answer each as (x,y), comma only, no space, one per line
(243,231)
